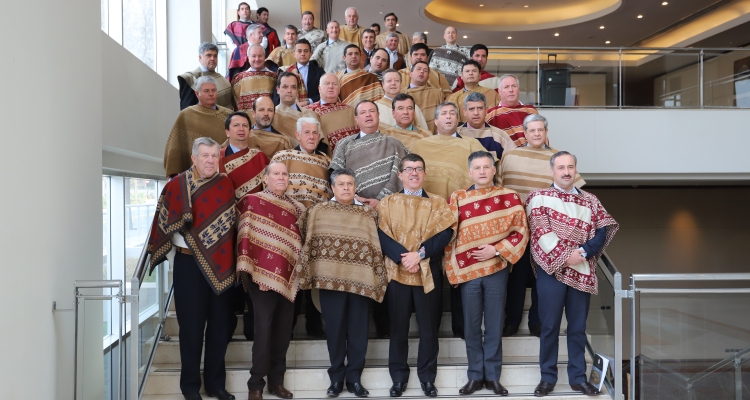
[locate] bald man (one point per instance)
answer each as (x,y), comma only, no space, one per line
(257,81)
(352,32)
(449,57)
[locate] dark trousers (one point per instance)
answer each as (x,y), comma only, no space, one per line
(381,318)
(347,320)
(520,278)
(427,306)
(198,309)
(457,312)
(484,297)
(553,297)
(273,331)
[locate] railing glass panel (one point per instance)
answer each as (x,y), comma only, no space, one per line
(692,337)
(726,79)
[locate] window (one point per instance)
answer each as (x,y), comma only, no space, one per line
(140,26)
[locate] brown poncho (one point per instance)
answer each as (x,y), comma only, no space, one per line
(342,250)
(193,122)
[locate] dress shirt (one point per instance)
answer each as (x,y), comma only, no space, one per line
(235,149)
(393,56)
(303,70)
(356,202)
(410,193)
(267,129)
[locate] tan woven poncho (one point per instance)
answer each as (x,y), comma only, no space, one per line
(411,220)
(342,250)
(193,122)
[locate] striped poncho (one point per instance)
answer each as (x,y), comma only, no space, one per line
(308,175)
(446,162)
(357,86)
(510,119)
(374,159)
(526,168)
(337,121)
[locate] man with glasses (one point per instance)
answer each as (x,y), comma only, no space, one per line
(414,228)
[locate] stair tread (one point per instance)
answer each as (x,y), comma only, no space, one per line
(516,392)
(369,363)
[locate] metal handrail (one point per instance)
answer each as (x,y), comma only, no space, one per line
(159,329)
(143,260)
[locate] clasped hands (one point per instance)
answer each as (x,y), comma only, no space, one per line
(575,258)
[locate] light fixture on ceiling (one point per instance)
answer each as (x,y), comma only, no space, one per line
(510,37)
(481,5)
(664,3)
(639,16)
(425,32)
(601,27)
(557,34)
(396,24)
(607,42)
(466,37)
(526,6)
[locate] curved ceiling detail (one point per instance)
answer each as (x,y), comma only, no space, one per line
(512,15)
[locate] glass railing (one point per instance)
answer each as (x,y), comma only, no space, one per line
(690,336)
(604,326)
(604,77)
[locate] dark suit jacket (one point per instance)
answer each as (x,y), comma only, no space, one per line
(314,73)
(400,62)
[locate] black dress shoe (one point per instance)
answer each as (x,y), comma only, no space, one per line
(496,387)
(535,330)
(221,394)
(193,396)
(335,389)
(398,389)
(429,389)
(357,389)
(585,388)
(470,387)
(510,330)
(280,391)
(543,389)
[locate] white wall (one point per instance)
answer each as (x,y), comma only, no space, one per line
(647,146)
(139,109)
(188,25)
(51,198)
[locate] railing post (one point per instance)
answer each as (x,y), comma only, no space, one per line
(700,79)
(618,337)
(134,338)
(632,339)
(619,84)
(737,376)
(538,77)
(75,347)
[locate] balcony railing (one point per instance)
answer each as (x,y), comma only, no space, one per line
(627,77)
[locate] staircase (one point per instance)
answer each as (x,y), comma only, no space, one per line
(307,361)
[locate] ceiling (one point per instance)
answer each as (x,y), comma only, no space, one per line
(577,22)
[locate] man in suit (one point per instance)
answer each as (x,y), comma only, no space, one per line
(368,47)
(308,71)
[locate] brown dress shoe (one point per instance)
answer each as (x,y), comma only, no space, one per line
(496,388)
(470,387)
(280,391)
(255,395)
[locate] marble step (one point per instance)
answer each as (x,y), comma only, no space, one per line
(172,328)
(165,379)
(316,350)
(562,391)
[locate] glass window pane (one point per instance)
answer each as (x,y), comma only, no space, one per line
(139,30)
(141,196)
(105,15)
(106,250)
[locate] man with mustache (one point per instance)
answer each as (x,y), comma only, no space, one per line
(309,32)
(524,169)
(570,229)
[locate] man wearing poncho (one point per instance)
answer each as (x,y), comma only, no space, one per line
(491,234)
(414,228)
(268,251)
(309,32)
(243,164)
(193,228)
(343,260)
(257,81)
(203,119)
(510,113)
(356,84)
(336,118)
(569,231)
(524,169)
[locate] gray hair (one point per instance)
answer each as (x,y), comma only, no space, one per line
(202,81)
(267,170)
(500,81)
(341,171)
(421,36)
(205,141)
(480,154)
(252,28)
(475,96)
(308,120)
(532,118)
(292,27)
(445,104)
(392,34)
(561,153)
(207,46)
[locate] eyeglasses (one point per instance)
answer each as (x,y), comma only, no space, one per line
(409,170)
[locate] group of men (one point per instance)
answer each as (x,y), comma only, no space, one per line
(323,190)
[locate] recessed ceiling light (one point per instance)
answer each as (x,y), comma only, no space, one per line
(664,3)
(525,6)
(601,27)
(557,34)
(607,42)
(640,16)
(481,5)
(381,12)
(425,32)
(510,37)
(466,37)
(396,24)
